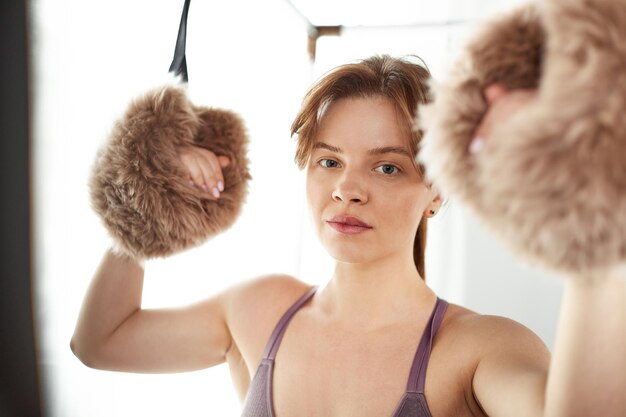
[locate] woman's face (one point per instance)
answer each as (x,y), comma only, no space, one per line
(364,191)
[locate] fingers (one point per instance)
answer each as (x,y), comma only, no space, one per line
(476,144)
(223,160)
(204,169)
(502,105)
(493,93)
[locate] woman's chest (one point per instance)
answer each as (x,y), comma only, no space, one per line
(334,374)
(342,375)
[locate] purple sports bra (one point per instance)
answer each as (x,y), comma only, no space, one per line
(258,401)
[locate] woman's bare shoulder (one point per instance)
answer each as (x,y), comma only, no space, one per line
(495,357)
(252,309)
(490,333)
(267,292)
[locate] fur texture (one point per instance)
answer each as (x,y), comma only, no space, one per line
(137,185)
(552,182)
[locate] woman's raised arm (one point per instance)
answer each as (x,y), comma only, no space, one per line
(113,332)
(588,369)
(587,373)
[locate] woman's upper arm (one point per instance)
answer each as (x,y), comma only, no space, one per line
(200,335)
(511,374)
(167,340)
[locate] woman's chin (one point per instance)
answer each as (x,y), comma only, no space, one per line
(348,253)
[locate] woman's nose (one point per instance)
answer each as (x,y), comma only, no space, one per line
(350,188)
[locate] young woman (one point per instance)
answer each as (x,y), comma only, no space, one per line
(376,340)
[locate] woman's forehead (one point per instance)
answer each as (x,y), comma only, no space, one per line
(371,123)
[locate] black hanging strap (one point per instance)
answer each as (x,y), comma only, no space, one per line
(179,63)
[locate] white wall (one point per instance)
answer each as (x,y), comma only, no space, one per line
(90,59)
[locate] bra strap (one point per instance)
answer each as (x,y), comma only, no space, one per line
(417,377)
(277,335)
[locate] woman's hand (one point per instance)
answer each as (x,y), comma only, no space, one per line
(204,169)
(502,105)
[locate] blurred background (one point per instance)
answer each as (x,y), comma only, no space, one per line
(87,60)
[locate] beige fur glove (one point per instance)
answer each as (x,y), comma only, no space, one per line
(138,187)
(551,182)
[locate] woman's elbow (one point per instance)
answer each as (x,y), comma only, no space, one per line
(87,355)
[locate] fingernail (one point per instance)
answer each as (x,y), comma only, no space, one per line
(476,145)
(220,185)
(216,192)
(191,183)
(204,187)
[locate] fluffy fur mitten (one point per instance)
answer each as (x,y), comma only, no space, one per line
(551,182)
(138,187)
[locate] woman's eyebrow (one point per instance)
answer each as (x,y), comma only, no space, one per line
(390,149)
(375,151)
(322,145)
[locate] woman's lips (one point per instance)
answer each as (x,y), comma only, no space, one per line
(348,225)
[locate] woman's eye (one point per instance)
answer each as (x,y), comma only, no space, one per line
(387,169)
(329,163)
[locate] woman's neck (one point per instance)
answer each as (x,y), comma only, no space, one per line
(374,294)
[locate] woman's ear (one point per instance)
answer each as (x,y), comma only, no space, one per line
(435,201)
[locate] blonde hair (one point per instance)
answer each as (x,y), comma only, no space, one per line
(400,80)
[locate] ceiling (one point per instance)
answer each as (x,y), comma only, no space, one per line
(394,12)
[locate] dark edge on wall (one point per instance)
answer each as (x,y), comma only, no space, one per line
(19,388)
